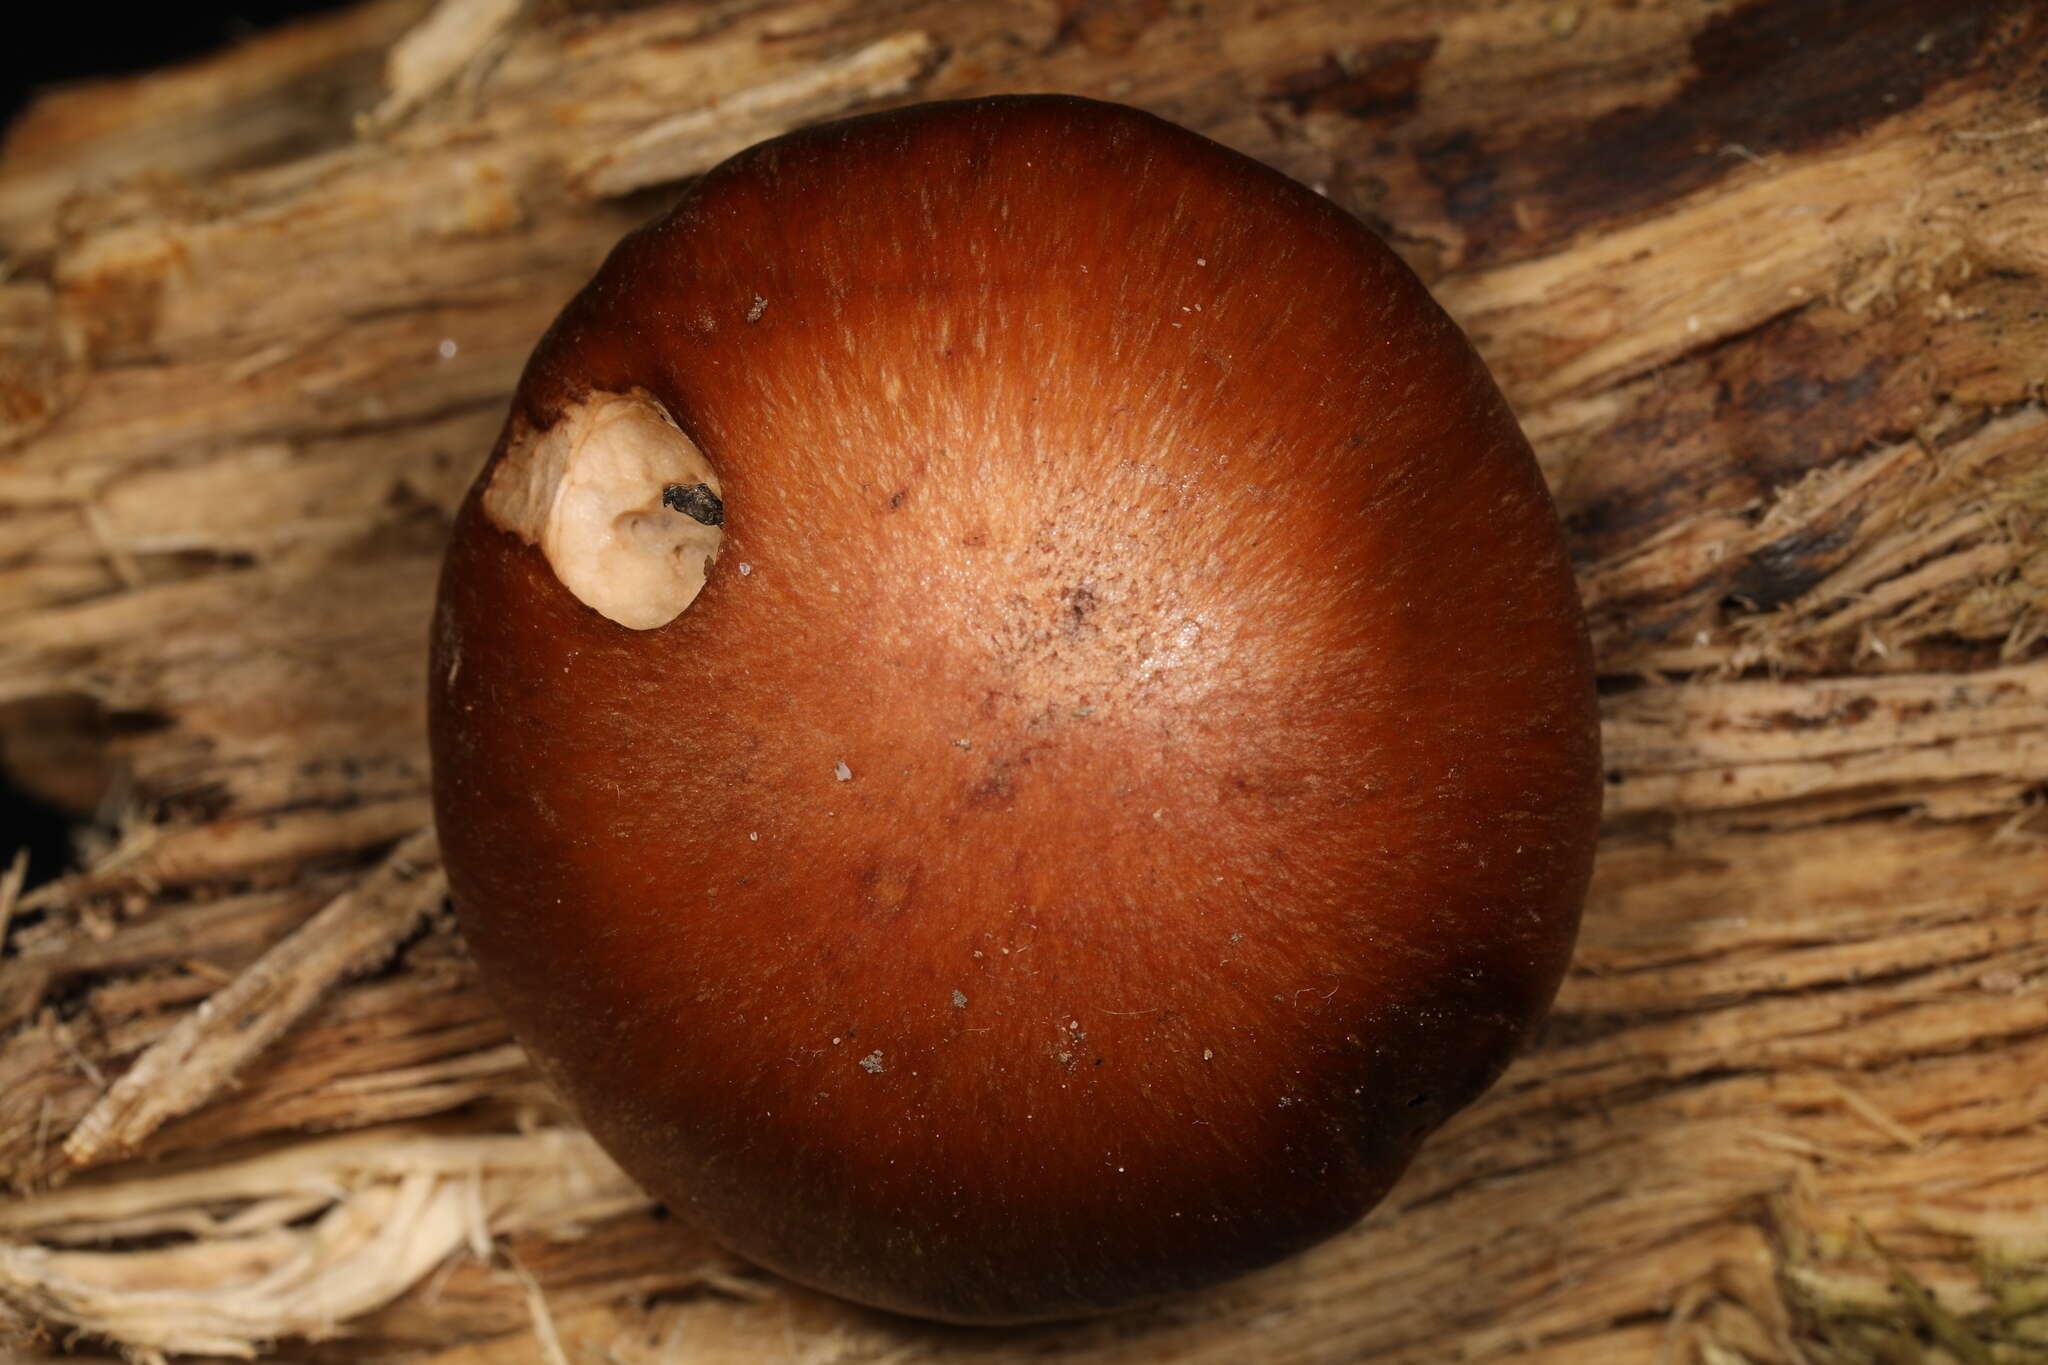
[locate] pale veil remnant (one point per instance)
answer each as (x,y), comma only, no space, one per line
(588,491)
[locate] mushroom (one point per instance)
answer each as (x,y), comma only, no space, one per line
(1011,724)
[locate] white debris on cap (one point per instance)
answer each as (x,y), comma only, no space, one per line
(587,491)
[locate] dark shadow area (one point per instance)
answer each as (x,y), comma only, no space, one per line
(56,768)
(81,42)
(42,828)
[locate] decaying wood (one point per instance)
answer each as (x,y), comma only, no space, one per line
(357,930)
(321,1233)
(1768,283)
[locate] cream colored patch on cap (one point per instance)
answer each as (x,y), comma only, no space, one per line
(588,492)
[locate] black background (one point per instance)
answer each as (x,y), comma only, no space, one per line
(59,41)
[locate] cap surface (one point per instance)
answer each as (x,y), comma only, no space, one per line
(1131,770)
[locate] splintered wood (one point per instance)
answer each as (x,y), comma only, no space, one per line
(1768,284)
(355,931)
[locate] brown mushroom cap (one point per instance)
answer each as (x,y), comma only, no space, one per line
(1131,770)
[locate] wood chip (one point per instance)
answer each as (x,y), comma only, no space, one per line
(356,931)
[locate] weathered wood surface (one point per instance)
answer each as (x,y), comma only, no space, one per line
(1768,283)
